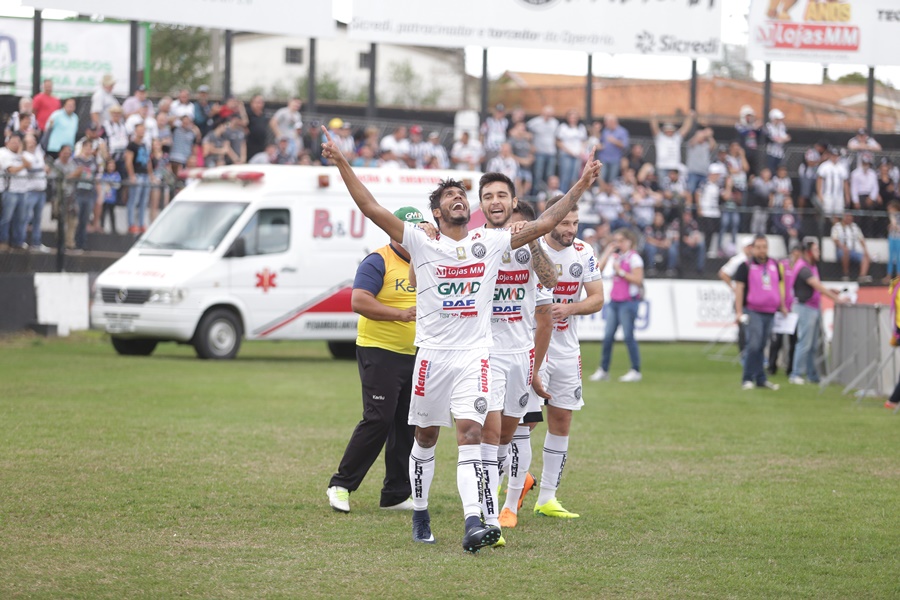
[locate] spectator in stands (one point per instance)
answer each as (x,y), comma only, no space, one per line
(257,126)
(864,193)
(758,290)
(659,247)
(15,124)
(493,132)
(738,171)
(389,160)
(466,153)
(439,157)
(571,138)
(692,241)
(343,137)
(136,101)
(523,152)
(504,162)
(182,106)
(668,141)
(63,126)
(107,197)
(366,157)
(97,143)
(138,166)
(731,218)
(286,122)
(614,141)
(86,172)
(786,224)
(283,155)
(760,198)
(269,156)
(699,156)
(807,290)
(750,133)
(887,187)
(116,132)
(36,193)
(543,130)
(861,142)
(216,147)
(164,129)
(397,143)
(832,184)
(776,137)
(551,191)
(419,149)
(782,188)
(851,248)
(893,227)
(708,201)
(812,158)
(162,176)
(205,113)
(45,104)
(238,140)
(14,183)
(673,188)
(634,160)
(185,136)
(103,100)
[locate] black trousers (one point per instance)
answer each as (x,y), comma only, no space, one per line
(386,387)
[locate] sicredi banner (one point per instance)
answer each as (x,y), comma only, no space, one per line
(306,19)
(690,28)
(834,31)
(75,54)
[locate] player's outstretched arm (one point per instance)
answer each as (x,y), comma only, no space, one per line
(364,199)
(556,213)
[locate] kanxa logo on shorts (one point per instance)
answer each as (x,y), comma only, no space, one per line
(578,393)
(575,270)
(523,401)
(522,256)
(479,250)
(481,405)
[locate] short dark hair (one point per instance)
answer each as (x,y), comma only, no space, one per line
(434,200)
(758,237)
(526,210)
(554,200)
(488,178)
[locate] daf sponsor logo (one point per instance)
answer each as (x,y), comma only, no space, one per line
(507,277)
(458,304)
(523,401)
(523,256)
(507,310)
(481,405)
(459,288)
(479,250)
(575,270)
(578,393)
(507,294)
(464,272)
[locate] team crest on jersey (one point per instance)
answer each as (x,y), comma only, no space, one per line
(505,258)
(479,250)
(523,401)
(481,405)
(578,393)
(522,256)
(575,270)
(460,253)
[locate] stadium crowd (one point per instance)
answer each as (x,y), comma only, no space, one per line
(687,203)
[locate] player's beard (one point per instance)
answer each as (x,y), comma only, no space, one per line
(563,240)
(456,219)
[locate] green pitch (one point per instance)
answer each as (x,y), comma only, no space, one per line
(168,476)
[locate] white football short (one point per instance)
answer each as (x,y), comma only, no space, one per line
(450,383)
(561,377)
(511,382)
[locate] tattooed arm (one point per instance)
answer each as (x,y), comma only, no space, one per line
(543,268)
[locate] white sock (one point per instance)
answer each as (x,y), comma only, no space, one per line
(502,463)
(555,452)
(490,469)
(421,473)
(469,479)
(519,463)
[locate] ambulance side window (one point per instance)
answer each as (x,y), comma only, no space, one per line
(268,232)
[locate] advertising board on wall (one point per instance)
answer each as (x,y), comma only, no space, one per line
(689,28)
(835,31)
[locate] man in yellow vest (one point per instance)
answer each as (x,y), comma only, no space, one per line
(386,302)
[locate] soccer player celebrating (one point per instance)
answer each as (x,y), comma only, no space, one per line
(455,274)
(512,326)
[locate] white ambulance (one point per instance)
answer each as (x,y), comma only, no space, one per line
(254,252)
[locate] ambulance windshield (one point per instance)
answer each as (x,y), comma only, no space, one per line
(187,225)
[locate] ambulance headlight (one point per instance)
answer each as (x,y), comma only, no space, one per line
(166,296)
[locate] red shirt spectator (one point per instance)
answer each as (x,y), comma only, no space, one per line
(44,104)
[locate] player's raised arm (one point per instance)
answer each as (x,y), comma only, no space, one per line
(382,217)
(556,213)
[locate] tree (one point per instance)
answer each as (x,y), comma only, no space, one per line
(179,57)
(859,79)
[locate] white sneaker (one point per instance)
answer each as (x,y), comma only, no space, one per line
(631,376)
(41,249)
(770,386)
(796,380)
(599,375)
(748,385)
(339,498)
(405,505)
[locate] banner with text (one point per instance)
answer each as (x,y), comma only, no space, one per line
(842,31)
(75,55)
(690,28)
(305,19)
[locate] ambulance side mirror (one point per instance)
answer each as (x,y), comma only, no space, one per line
(238,249)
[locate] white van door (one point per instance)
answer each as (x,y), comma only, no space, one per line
(263,273)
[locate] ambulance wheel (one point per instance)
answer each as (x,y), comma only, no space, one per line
(342,350)
(218,335)
(133,347)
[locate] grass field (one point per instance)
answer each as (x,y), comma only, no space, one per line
(168,477)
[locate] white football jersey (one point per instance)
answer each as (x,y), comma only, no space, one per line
(455,286)
(575,265)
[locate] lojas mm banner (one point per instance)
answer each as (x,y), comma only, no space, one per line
(833,31)
(293,17)
(75,55)
(690,28)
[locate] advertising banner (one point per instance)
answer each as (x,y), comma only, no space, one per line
(834,31)
(655,321)
(690,28)
(305,19)
(704,311)
(75,55)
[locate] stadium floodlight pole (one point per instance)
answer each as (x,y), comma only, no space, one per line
(589,90)
(693,84)
(38,47)
(870,100)
(371,108)
(311,77)
(484,84)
